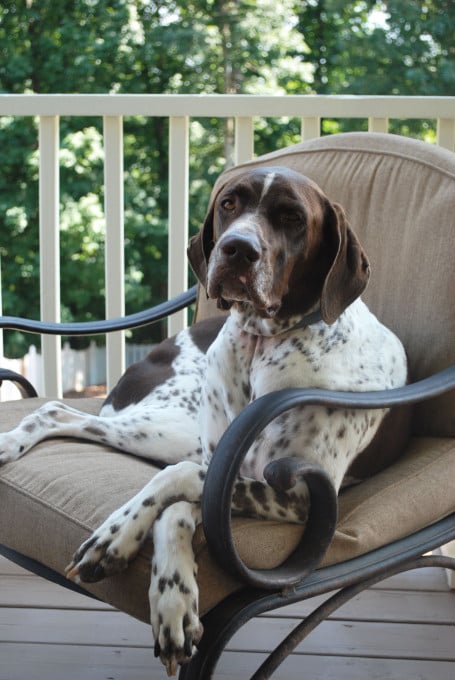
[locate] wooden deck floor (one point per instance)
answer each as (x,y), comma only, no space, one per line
(402,630)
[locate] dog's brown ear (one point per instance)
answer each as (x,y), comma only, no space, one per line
(350,269)
(201,246)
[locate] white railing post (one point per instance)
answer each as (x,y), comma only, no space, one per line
(114,246)
(446,133)
(244,139)
(378,124)
(178,215)
(1,309)
(1,329)
(310,127)
(49,241)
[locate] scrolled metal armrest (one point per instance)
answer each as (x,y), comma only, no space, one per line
(144,318)
(23,385)
(233,447)
(218,488)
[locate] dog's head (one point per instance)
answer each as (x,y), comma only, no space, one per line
(273,240)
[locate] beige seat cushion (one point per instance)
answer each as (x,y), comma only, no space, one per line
(53,497)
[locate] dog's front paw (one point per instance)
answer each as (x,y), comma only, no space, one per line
(95,559)
(110,548)
(174,617)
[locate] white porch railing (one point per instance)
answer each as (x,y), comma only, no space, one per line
(179,109)
(80,367)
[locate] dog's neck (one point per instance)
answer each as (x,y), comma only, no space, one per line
(250,322)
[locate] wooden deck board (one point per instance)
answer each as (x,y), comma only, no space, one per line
(372,639)
(373,605)
(85,628)
(398,606)
(402,629)
(48,662)
(16,592)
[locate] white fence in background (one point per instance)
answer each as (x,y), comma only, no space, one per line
(179,109)
(80,368)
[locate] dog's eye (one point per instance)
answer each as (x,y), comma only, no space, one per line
(228,204)
(292,218)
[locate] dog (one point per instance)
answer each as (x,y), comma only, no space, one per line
(277,254)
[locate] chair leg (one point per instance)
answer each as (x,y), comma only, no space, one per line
(321,613)
(228,617)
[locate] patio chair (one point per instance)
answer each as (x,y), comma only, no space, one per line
(400,198)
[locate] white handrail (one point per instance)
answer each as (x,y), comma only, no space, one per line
(225,105)
(179,109)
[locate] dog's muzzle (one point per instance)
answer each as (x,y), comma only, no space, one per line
(239,271)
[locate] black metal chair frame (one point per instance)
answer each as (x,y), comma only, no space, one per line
(298,578)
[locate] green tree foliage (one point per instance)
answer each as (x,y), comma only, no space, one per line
(177,46)
(381,48)
(390,47)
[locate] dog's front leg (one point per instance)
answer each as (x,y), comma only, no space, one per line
(173,593)
(117,541)
(52,419)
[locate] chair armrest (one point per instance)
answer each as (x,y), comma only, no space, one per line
(144,318)
(23,385)
(231,451)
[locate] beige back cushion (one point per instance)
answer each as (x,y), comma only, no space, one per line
(399,195)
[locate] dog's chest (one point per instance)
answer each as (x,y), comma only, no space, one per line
(356,352)
(242,366)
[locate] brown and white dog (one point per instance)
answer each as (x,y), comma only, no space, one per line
(282,257)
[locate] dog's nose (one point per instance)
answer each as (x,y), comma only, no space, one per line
(241,249)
